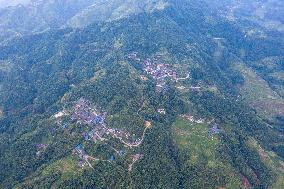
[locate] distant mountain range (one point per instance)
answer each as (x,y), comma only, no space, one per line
(267,13)
(38,15)
(6,3)
(24,17)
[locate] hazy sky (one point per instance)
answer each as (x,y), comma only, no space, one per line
(4,3)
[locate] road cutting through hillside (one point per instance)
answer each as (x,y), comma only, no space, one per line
(131,144)
(183,78)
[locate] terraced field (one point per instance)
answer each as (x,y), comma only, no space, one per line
(273,162)
(259,95)
(65,168)
(194,139)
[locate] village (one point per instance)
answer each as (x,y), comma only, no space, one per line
(97,131)
(158,70)
(94,121)
(213,126)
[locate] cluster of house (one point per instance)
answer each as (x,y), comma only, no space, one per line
(118,133)
(159,72)
(213,126)
(155,68)
(40,149)
(58,116)
(192,119)
(81,153)
(134,56)
(85,113)
(120,153)
(96,134)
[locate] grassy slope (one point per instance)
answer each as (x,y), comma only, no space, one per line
(194,139)
(259,95)
(66,167)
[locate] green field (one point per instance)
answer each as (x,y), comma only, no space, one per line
(193,138)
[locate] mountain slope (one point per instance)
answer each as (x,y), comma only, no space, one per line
(191,129)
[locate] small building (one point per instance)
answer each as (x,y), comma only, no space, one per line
(132,55)
(59,114)
(79,148)
(122,152)
(213,129)
(81,163)
(162,111)
(112,158)
(175,75)
(144,78)
(65,126)
(99,119)
(159,88)
(86,136)
(199,121)
(1,113)
(181,87)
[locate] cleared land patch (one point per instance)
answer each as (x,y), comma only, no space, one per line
(65,167)
(5,66)
(259,95)
(194,138)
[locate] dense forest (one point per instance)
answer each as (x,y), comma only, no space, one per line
(197,127)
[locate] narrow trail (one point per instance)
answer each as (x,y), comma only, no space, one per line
(131,165)
(101,138)
(90,165)
(116,151)
(135,145)
(143,104)
(135,158)
(96,159)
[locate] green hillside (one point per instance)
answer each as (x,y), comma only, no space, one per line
(158,99)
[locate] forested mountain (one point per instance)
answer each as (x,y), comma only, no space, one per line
(141,94)
(266,13)
(38,15)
